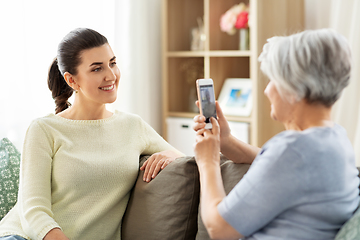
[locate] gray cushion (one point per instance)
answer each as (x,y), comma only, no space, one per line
(231,173)
(166,207)
(9,176)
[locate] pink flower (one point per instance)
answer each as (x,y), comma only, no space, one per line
(242,20)
(227,22)
(234,18)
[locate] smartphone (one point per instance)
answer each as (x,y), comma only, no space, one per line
(206,97)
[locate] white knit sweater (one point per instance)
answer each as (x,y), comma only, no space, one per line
(77,175)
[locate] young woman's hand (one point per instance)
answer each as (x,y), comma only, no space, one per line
(157,162)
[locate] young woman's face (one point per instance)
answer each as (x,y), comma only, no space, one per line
(98,75)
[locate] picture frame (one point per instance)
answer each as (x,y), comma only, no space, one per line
(235,97)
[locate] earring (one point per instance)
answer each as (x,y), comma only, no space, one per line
(76,91)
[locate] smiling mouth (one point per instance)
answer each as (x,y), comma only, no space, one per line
(107,88)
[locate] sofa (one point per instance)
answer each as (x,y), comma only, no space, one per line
(166,208)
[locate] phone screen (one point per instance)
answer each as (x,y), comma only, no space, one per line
(208,106)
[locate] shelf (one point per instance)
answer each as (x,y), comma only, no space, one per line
(221,58)
(182,114)
(186,54)
(222,68)
(238,119)
(192,115)
(220,40)
(178,26)
(226,53)
(231,53)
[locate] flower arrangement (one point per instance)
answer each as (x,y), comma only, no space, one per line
(237,17)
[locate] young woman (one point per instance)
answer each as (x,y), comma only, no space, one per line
(79,165)
(303,182)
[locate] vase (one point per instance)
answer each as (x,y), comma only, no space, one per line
(244,39)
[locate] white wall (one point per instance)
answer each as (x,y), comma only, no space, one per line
(317,14)
(30,33)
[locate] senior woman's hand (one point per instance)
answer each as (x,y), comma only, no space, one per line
(225,131)
(232,148)
(207,143)
(207,156)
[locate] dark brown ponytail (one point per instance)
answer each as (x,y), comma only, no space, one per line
(61,91)
(68,59)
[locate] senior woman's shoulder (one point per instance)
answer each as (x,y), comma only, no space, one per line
(307,150)
(312,141)
(284,138)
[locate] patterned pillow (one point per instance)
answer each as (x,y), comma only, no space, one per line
(9,176)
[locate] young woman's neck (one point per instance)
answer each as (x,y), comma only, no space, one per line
(80,111)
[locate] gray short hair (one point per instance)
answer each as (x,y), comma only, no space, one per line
(314,65)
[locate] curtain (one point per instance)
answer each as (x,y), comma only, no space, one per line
(138,46)
(345,18)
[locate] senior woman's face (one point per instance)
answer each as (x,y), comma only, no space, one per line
(281,109)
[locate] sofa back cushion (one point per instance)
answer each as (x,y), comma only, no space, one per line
(231,173)
(167,206)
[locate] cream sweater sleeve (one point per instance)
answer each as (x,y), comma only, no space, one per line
(154,142)
(35,183)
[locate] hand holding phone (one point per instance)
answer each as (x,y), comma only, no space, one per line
(206,97)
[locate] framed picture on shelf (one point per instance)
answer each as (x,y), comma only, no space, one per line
(235,97)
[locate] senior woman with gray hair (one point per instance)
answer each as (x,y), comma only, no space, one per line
(303,182)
